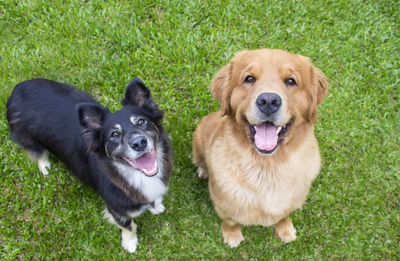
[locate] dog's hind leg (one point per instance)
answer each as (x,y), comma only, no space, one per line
(198,159)
(198,152)
(34,150)
(128,229)
(42,160)
(202,173)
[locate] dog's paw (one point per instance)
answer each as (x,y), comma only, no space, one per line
(233,239)
(232,233)
(43,166)
(42,160)
(202,173)
(129,241)
(285,231)
(288,235)
(130,245)
(157,209)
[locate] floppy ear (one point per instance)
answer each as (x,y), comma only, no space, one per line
(318,92)
(91,116)
(219,88)
(322,84)
(137,94)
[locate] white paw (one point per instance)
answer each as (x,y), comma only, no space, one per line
(130,245)
(44,163)
(158,209)
(129,241)
(43,166)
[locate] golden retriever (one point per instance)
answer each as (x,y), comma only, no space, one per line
(259,150)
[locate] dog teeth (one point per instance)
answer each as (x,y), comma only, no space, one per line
(278,130)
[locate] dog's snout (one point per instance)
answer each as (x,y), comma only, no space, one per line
(268,103)
(138,143)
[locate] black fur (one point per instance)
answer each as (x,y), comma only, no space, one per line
(47,115)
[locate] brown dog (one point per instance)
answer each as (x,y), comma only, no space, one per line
(259,150)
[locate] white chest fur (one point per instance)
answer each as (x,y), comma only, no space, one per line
(151,187)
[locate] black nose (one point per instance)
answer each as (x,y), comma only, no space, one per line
(138,143)
(268,103)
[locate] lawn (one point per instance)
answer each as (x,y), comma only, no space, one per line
(176,47)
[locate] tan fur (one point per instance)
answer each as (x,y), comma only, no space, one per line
(247,187)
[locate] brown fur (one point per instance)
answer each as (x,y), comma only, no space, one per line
(248,187)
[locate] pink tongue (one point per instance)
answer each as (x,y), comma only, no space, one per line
(265,137)
(146,163)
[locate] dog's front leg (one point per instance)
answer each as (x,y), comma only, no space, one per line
(129,237)
(285,230)
(128,229)
(231,233)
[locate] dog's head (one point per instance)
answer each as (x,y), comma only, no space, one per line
(268,93)
(128,136)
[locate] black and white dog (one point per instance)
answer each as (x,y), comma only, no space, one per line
(125,156)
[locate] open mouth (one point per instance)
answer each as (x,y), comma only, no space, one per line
(266,137)
(147,163)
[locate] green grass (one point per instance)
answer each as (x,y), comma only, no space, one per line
(176,47)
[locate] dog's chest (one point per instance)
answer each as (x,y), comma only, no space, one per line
(275,191)
(151,188)
(272,191)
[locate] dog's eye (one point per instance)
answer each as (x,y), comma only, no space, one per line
(249,79)
(141,122)
(290,82)
(115,134)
